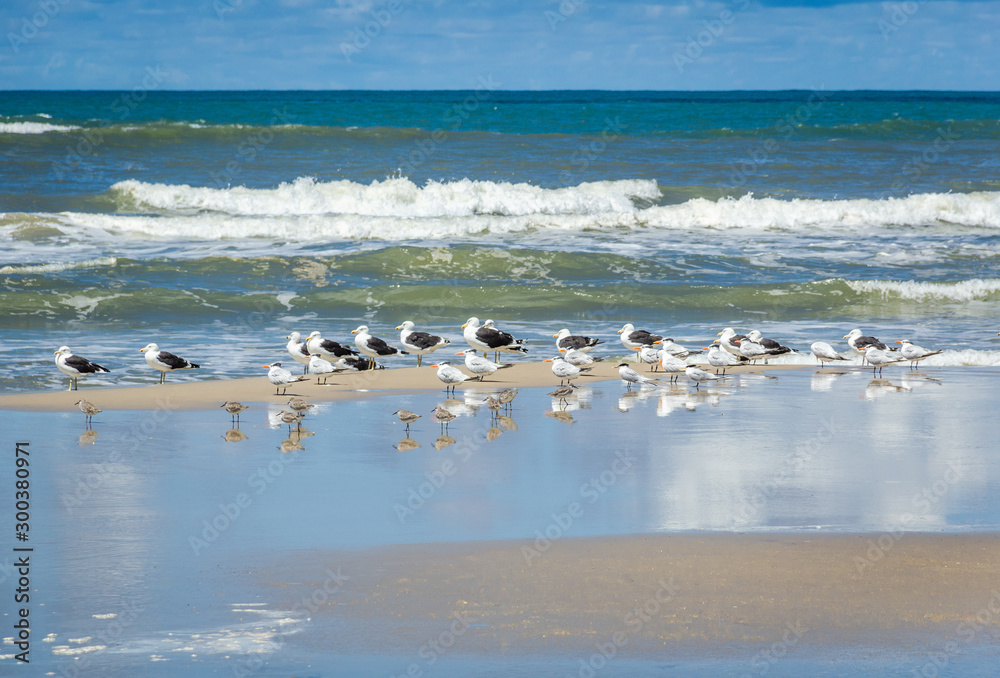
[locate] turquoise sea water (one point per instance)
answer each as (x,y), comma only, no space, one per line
(206,218)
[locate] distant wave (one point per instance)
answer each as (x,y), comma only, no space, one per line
(33,128)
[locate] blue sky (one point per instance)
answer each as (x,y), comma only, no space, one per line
(438,44)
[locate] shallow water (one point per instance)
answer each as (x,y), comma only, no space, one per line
(159,518)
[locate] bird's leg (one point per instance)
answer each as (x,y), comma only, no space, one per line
(418,360)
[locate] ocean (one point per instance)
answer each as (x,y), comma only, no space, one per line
(215,223)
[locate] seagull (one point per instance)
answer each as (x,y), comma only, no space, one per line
(566,341)
(720,359)
(730,342)
(671,364)
(770,346)
(480,366)
(750,349)
(373,346)
(674,349)
(234,408)
(564,370)
(298,349)
(419,343)
(407,417)
(825,353)
(577,357)
(74,366)
(281,377)
(488,338)
(327,348)
(321,368)
(164,361)
(634,339)
(914,353)
(89,410)
(450,376)
(354,362)
(858,343)
(878,359)
(630,376)
(649,355)
(698,375)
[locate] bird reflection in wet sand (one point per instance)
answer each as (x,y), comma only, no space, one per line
(234,408)
(627,400)
(506,423)
(443,442)
(492,433)
(291,444)
(443,417)
(880,387)
(406,444)
(823,380)
(88,437)
(560,415)
(234,435)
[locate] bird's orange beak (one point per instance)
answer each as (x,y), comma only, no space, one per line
(267,367)
(548,360)
(897,341)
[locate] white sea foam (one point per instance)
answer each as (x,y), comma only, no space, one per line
(748,212)
(398,197)
(58,267)
(33,128)
(964,290)
(441,209)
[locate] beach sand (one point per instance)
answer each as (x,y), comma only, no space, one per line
(347,385)
(472,569)
(654,594)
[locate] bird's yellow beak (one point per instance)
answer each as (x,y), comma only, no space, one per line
(846,335)
(716,341)
(555,335)
(399,327)
(354,331)
(142,350)
(463,325)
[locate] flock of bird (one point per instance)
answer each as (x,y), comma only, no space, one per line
(323,357)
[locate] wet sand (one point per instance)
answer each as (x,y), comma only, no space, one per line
(697,593)
(348,385)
